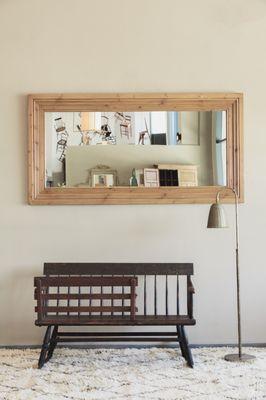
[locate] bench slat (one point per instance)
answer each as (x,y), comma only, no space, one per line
(83,309)
(84,281)
(83,296)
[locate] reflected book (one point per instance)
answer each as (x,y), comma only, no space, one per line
(168,177)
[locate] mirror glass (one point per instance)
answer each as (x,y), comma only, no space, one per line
(151,149)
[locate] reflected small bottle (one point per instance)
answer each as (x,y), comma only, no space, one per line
(133,180)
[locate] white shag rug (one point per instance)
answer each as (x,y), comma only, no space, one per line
(149,373)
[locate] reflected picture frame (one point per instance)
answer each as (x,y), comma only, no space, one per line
(102,177)
(151,177)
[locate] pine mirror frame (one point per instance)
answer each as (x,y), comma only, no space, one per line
(38,104)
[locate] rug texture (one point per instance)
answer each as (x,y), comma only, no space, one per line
(150,373)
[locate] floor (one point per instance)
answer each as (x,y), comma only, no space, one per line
(148,373)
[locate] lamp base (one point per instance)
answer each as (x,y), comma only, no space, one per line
(236,358)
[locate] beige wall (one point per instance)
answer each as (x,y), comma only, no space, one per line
(97,45)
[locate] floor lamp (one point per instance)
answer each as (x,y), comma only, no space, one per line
(217,219)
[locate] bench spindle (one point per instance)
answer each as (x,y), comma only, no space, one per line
(155,294)
(101,301)
(166,294)
(68,299)
(79,290)
(123,301)
(112,300)
(133,296)
(90,302)
(58,292)
(177,294)
(145,295)
(39,300)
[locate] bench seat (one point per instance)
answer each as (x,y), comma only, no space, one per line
(98,320)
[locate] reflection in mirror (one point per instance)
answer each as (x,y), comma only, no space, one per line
(152,149)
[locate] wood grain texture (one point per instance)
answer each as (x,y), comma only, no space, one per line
(40,103)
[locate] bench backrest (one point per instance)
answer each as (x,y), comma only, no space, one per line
(155,291)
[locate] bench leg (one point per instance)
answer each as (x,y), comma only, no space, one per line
(45,347)
(53,343)
(185,349)
(179,334)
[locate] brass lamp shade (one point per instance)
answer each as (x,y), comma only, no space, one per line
(217,218)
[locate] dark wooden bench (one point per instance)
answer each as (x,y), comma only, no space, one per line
(113,294)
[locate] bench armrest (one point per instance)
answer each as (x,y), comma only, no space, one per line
(190,292)
(191,288)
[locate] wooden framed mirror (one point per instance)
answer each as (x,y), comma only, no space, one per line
(148,148)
